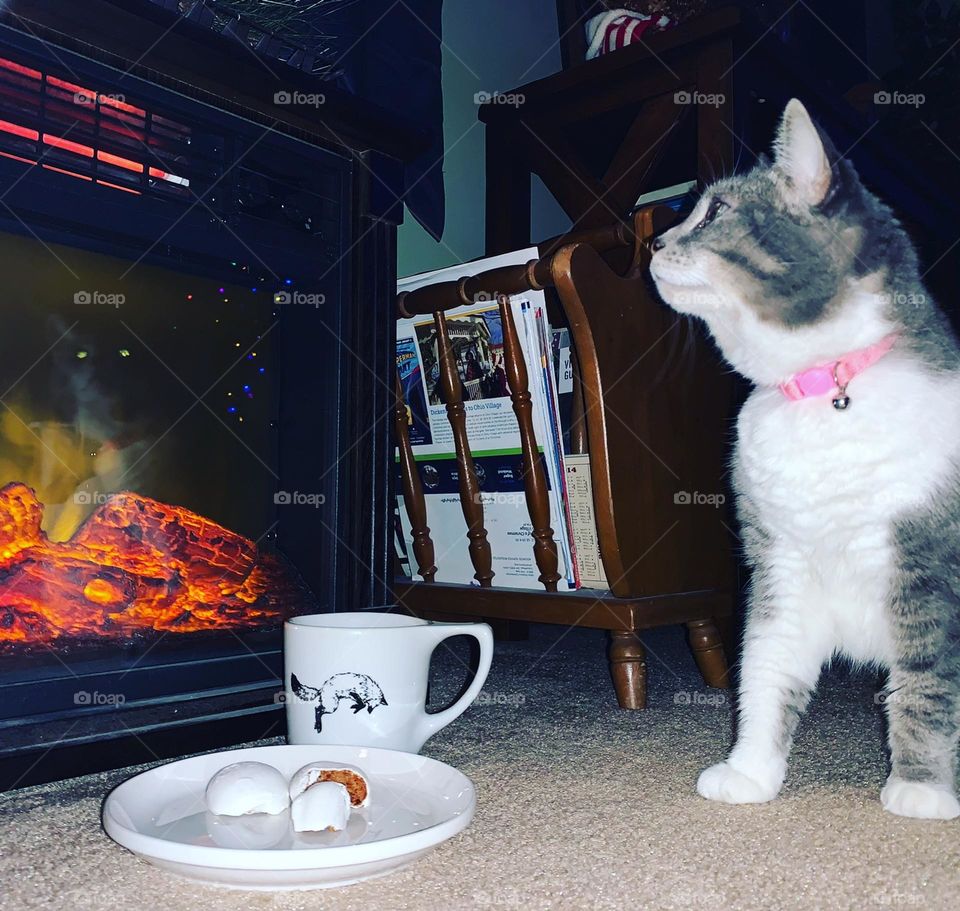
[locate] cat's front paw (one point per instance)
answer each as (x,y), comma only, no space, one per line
(918,799)
(723,782)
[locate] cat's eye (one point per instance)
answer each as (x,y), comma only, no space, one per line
(716,206)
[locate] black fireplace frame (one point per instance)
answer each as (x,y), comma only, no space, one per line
(146,51)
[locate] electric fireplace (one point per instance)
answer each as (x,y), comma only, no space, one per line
(191,450)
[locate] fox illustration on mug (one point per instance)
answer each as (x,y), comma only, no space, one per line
(358,660)
(363,692)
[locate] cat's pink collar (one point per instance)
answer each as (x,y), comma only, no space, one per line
(832,377)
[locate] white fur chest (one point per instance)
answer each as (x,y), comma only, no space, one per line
(827,485)
(817,473)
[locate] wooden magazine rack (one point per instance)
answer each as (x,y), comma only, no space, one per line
(651,403)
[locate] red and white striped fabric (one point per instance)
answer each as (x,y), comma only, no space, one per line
(617,28)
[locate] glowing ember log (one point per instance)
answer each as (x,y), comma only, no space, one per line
(135,564)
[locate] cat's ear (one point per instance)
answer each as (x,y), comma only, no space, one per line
(800,155)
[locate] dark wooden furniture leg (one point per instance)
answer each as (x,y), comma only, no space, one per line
(707,648)
(729,639)
(628,667)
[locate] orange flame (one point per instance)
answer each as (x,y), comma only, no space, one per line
(134,565)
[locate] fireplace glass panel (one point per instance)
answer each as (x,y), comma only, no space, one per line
(170,390)
(137,450)
(138,466)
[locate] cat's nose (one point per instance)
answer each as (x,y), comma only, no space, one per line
(658,243)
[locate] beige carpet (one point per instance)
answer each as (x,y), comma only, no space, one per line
(581,806)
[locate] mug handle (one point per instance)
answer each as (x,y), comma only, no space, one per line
(431,723)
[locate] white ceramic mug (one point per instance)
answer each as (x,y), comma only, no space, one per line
(360,678)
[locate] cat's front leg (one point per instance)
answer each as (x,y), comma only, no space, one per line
(923,692)
(782,658)
(924,722)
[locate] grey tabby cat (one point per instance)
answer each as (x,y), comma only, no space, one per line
(847,462)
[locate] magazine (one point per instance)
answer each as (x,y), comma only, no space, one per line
(476,337)
(578,488)
(590,570)
(563,374)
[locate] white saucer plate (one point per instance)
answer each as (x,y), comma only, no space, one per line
(415,804)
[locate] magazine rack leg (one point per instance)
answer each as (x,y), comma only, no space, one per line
(423,551)
(707,647)
(628,667)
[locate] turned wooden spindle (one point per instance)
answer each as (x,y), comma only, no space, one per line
(469,486)
(707,647)
(413,490)
(534,479)
(628,667)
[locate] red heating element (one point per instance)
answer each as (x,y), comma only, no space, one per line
(83,133)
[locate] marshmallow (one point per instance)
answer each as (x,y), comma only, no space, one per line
(247,787)
(323,806)
(349,776)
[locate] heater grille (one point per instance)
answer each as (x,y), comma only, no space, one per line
(86,133)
